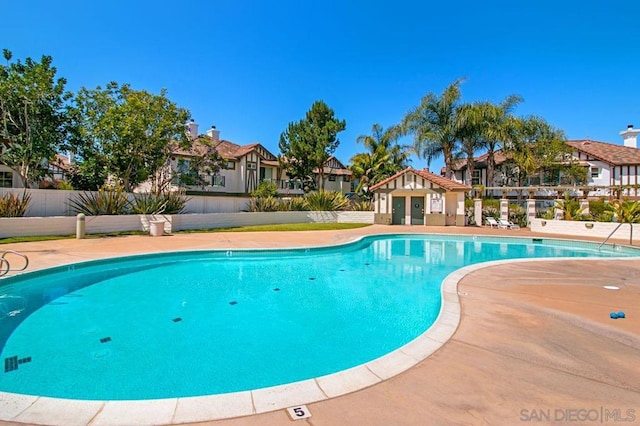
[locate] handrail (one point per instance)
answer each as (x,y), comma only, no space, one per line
(4,261)
(17,253)
(612,232)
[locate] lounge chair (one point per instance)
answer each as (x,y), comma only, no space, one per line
(504,223)
(492,222)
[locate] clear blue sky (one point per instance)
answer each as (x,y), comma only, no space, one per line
(251,67)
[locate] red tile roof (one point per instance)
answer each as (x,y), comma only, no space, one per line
(227,150)
(448,184)
(616,155)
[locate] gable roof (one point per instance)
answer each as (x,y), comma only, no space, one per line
(443,182)
(227,150)
(616,155)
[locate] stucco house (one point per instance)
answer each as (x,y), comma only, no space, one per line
(245,166)
(608,165)
(57,169)
(419,197)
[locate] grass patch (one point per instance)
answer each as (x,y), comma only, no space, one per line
(256,228)
(281,228)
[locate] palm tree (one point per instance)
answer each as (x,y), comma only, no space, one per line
(434,125)
(472,125)
(500,128)
(384,159)
(626,212)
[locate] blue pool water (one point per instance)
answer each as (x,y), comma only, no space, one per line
(198,323)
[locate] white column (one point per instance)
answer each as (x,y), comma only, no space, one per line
(477,211)
(504,209)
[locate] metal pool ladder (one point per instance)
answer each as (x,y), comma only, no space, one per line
(5,265)
(612,232)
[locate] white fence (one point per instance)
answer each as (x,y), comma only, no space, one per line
(584,229)
(61,225)
(53,202)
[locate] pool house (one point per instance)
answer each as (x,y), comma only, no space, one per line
(419,197)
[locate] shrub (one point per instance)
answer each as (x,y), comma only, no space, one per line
(163,203)
(263,204)
(326,201)
(295,204)
(598,208)
(105,201)
(148,204)
(265,189)
(176,201)
(14,205)
(362,206)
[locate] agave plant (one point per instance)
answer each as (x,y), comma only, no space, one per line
(106,201)
(12,205)
(326,201)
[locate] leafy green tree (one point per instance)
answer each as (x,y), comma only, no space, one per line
(384,159)
(434,126)
(128,131)
(33,118)
(306,145)
(537,147)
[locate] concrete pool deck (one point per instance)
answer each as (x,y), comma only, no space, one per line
(535,340)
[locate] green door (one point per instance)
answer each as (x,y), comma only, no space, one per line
(417,210)
(397,217)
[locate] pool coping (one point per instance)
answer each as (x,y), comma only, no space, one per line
(47,410)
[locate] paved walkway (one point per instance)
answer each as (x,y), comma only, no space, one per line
(535,341)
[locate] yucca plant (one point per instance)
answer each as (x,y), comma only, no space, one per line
(263,204)
(106,201)
(14,205)
(326,201)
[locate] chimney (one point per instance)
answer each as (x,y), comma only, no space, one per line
(215,134)
(192,129)
(630,136)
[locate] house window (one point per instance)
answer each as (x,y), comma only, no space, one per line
(332,178)
(6,179)
(252,166)
(475,178)
(595,172)
(230,165)
(346,178)
(217,180)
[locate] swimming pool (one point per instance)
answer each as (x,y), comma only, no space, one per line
(198,323)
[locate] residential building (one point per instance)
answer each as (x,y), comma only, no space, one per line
(608,165)
(245,166)
(57,170)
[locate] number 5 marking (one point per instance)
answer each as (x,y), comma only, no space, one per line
(299,412)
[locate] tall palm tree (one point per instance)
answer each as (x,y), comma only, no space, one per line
(384,159)
(472,126)
(433,125)
(499,132)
